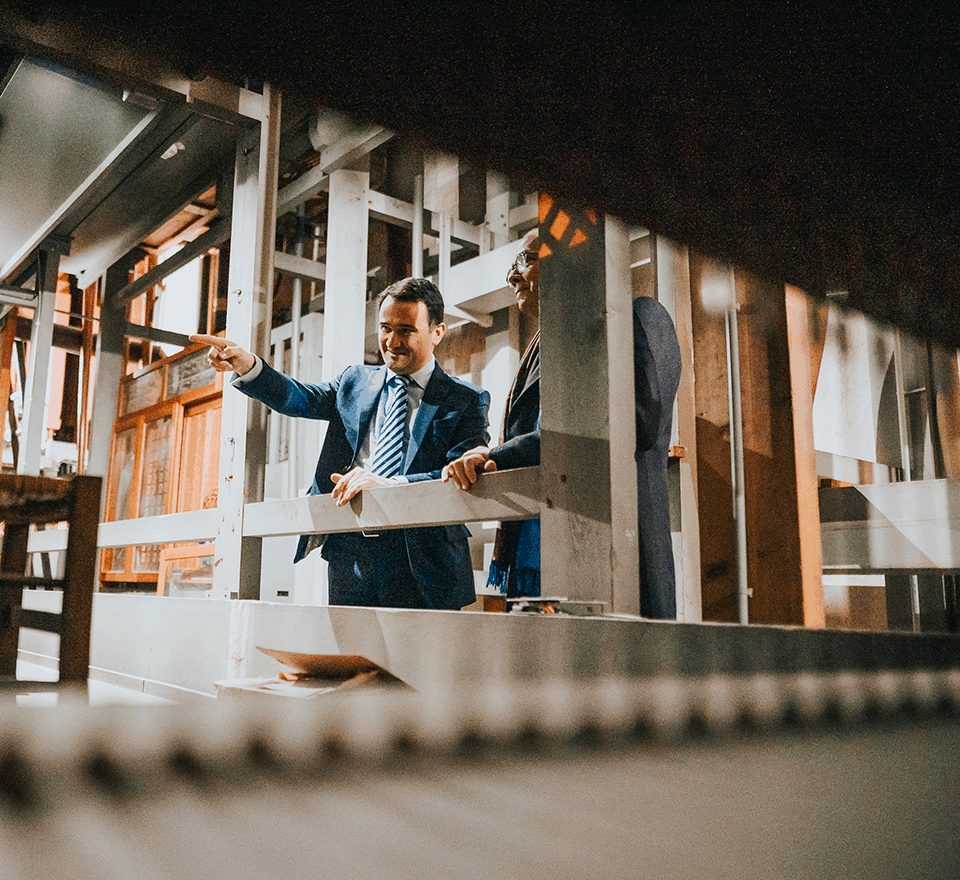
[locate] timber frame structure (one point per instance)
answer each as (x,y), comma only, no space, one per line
(762,512)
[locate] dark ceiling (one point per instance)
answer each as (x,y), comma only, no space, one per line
(816,143)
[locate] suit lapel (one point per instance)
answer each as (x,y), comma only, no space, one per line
(364,404)
(433,396)
(533,378)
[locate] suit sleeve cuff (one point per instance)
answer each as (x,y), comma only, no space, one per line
(251,374)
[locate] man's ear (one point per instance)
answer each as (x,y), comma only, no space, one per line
(439,329)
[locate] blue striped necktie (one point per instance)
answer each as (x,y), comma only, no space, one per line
(388,456)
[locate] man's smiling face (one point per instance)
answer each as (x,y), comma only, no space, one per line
(406,337)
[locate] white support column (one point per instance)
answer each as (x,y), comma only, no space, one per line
(33,431)
(110,369)
(344,324)
(589,548)
(416,260)
(243,421)
(498,213)
(441,195)
(344,305)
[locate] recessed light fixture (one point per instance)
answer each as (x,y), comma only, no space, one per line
(172,150)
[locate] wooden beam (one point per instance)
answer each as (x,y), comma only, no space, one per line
(243,421)
(170,528)
(709,296)
(155,334)
(299,267)
(33,431)
(799,317)
(344,305)
(347,150)
(110,369)
(210,239)
(506,495)
(7,337)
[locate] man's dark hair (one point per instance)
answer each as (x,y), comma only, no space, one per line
(416,290)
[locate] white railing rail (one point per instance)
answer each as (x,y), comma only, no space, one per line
(507,495)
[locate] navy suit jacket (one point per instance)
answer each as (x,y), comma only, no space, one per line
(451,419)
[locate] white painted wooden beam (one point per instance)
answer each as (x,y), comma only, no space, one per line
(346,291)
(350,147)
(524,216)
(506,495)
(200,245)
(170,528)
(589,546)
(393,211)
(299,267)
(33,427)
(891,526)
(479,285)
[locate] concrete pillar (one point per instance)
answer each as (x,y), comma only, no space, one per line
(589,545)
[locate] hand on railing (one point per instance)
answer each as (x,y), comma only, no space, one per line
(356,480)
(465,470)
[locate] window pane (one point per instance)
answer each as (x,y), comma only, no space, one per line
(156,467)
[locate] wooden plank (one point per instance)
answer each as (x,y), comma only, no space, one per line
(169,528)
(33,430)
(299,267)
(47,541)
(7,337)
(333,157)
(210,239)
(800,315)
(155,334)
(506,495)
(47,621)
(80,579)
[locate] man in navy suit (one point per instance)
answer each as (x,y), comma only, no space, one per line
(400,568)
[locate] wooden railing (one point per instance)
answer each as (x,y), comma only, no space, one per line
(498,496)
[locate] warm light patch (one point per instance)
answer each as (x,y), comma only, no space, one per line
(544,251)
(578,238)
(544,204)
(559,225)
(591,215)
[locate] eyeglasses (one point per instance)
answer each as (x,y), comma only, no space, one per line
(523,261)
